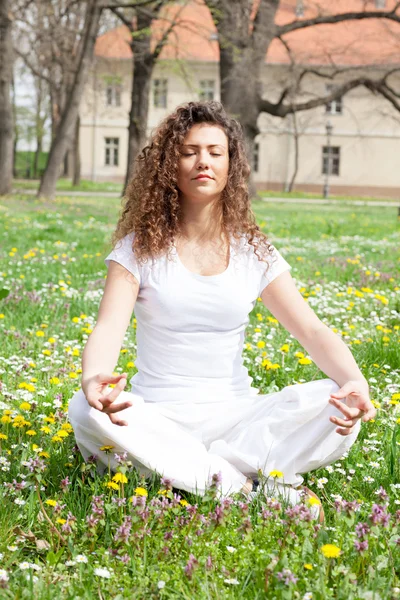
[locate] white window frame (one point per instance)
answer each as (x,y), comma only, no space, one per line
(335,107)
(111,151)
(160,93)
(331,158)
(113,93)
(256,157)
(207,89)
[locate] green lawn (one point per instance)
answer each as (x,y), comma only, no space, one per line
(65,185)
(346,262)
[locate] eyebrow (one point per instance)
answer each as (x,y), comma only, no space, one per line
(209,146)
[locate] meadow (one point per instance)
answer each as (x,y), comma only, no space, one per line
(68,532)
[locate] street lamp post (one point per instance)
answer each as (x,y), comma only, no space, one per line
(329,129)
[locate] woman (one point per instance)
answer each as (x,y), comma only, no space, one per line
(191,260)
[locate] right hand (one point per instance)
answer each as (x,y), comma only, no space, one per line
(94,392)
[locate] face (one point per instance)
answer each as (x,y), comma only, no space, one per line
(204,152)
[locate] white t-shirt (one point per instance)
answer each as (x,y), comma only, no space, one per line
(191,327)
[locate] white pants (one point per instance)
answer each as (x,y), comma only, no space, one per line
(288,431)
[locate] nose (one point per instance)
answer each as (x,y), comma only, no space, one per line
(203,162)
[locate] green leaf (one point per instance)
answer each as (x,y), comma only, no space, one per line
(4,293)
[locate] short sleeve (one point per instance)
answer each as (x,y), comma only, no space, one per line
(122,253)
(277,265)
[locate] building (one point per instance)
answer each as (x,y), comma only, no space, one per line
(362,154)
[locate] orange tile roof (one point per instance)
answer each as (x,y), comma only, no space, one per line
(361,42)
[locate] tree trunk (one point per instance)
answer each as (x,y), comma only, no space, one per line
(243,40)
(77,156)
(6,110)
(296,153)
(38,152)
(62,140)
(142,69)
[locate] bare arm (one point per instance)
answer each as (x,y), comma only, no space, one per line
(327,350)
(116,307)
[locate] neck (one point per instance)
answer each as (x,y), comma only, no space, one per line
(201,224)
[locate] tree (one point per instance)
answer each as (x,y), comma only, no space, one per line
(6,109)
(62,140)
(144,59)
(246,29)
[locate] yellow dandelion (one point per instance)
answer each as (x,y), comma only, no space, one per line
(308,566)
(5,419)
(305,361)
(3,436)
(40,333)
(54,380)
(44,454)
(285,348)
(141,491)
(313,501)
(45,429)
(25,406)
(261,344)
(67,427)
(184,502)
(51,502)
(106,449)
(120,478)
(61,521)
(112,484)
(330,551)
(276,474)
(30,432)
(62,433)
(73,375)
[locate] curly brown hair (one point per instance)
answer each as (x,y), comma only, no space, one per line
(151,205)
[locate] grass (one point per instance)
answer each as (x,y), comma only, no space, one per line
(346,263)
(65,185)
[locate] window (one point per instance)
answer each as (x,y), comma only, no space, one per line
(112,151)
(336,106)
(160,90)
(256,156)
(330,160)
(113,94)
(207,89)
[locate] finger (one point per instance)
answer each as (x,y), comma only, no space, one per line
(371,414)
(117,407)
(342,422)
(107,399)
(344,431)
(95,403)
(348,411)
(344,391)
(118,421)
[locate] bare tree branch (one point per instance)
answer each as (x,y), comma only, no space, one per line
(122,17)
(391,15)
(36,72)
(133,4)
(173,24)
(279,109)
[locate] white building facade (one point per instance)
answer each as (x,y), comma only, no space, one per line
(362,154)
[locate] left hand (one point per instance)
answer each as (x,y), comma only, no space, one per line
(357,403)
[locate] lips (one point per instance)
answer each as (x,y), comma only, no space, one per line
(203,177)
